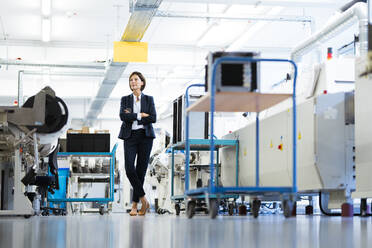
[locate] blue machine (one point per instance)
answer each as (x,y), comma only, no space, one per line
(63,175)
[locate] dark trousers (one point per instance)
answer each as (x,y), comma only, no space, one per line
(137,145)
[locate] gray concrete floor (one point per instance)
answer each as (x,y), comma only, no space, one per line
(121,230)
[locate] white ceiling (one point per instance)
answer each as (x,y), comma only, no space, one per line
(83,31)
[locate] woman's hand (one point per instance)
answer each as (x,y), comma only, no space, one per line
(144,115)
(127,110)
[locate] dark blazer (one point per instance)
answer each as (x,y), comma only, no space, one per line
(147,106)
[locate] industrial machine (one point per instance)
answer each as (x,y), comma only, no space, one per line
(363,134)
(200,120)
(28,152)
(234,76)
(161,172)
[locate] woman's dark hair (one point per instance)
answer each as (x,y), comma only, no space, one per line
(139,74)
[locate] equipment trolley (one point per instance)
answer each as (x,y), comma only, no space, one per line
(242,102)
(104,200)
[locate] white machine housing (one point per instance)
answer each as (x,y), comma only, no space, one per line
(363,130)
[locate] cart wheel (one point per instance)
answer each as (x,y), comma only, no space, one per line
(363,207)
(255,207)
(27,216)
(102,210)
(190,209)
(206,211)
(213,208)
(287,207)
(177,207)
(231,209)
(309,210)
(242,209)
(45,213)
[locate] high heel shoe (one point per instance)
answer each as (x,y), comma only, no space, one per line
(143,212)
(133,212)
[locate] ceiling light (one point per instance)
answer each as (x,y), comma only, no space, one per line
(46,7)
(45,27)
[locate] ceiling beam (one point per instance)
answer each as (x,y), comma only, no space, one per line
(65,98)
(244,18)
(152,47)
(280,3)
(97,45)
(77,65)
(101,74)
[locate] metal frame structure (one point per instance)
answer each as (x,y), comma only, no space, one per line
(215,190)
(200,145)
(92,154)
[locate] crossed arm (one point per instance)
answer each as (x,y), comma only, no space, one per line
(142,118)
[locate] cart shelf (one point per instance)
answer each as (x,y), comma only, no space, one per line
(92,176)
(238,102)
(203,144)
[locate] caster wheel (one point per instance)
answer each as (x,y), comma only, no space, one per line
(27,216)
(309,210)
(206,211)
(213,208)
(287,207)
(231,209)
(294,209)
(190,209)
(347,210)
(255,207)
(363,207)
(102,210)
(177,208)
(242,209)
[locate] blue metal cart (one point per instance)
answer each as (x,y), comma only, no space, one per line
(103,200)
(214,191)
(198,145)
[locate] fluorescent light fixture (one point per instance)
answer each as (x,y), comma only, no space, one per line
(45,29)
(46,7)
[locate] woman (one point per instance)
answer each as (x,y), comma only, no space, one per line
(137,112)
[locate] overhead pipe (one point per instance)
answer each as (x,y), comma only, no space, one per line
(67,73)
(358,10)
(98,66)
(209,16)
(20,89)
(350,4)
(97,74)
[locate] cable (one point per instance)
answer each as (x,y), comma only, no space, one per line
(322,210)
(333,214)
